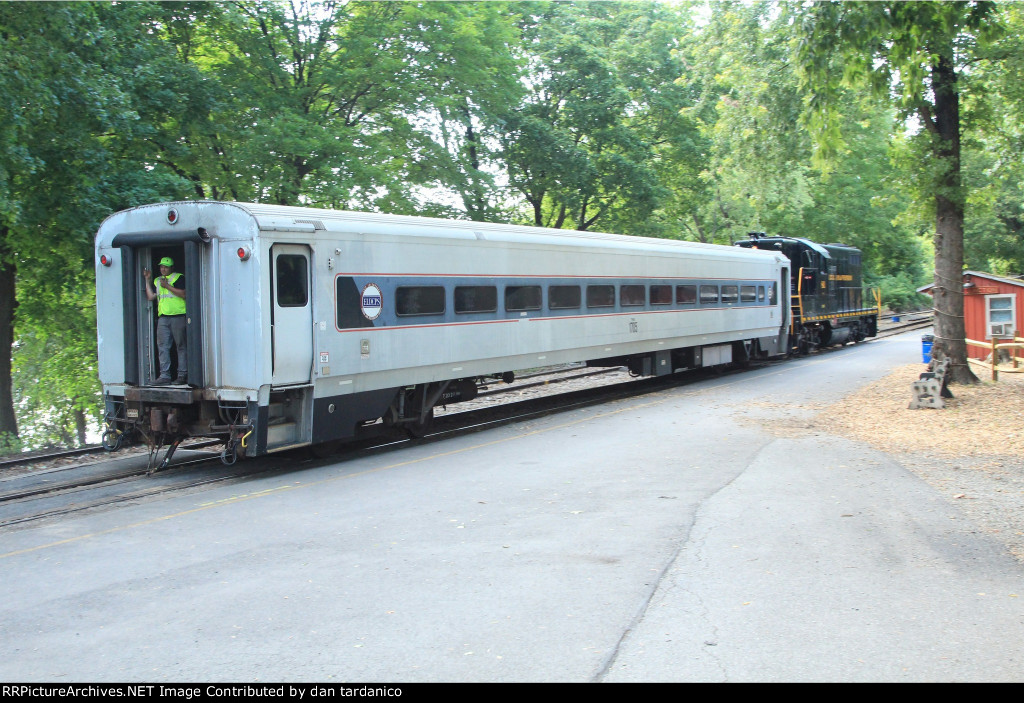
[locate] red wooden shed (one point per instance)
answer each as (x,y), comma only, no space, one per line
(993,305)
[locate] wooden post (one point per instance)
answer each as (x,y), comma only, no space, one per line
(1016,338)
(995,358)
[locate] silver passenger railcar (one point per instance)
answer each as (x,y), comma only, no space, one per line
(309,326)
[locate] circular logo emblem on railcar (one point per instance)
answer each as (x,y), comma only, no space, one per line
(371,302)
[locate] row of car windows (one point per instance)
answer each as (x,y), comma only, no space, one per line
(430,300)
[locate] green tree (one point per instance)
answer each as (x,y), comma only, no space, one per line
(869,212)
(758,173)
(474,75)
(297,89)
(994,151)
(914,52)
(78,102)
(581,147)
(327,103)
(649,55)
(54,365)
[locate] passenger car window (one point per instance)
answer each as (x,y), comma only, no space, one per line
(564,297)
(708,295)
(661,295)
(730,294)
(518,298)
(476,299)
(686,295)
(748,294)
(419,300)
(600,296)
(632,295)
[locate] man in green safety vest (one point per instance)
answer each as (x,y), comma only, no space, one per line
(169,292)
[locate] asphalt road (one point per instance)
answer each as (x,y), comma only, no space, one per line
(702,533)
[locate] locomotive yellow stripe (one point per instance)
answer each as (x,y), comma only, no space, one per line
(860,313)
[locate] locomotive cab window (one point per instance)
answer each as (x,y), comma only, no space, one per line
(476,299)
(419,300)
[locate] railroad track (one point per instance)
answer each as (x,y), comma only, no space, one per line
(52,493)
(913,322)
(32,497)
(44,459)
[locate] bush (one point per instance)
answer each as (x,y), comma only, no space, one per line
(899,293)
(10,444)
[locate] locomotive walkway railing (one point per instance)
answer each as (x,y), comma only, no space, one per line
(797,305)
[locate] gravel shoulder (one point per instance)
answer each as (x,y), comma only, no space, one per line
(972,451)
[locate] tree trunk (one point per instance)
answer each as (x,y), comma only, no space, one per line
(81,427)
(948,292)
(474,199)
(8,422)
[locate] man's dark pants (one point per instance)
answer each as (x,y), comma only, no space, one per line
(171,328)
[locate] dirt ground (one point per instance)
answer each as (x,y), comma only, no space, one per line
(972,451)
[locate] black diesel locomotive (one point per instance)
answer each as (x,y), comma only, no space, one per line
(829,303)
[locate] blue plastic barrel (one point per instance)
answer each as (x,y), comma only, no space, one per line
(927,341)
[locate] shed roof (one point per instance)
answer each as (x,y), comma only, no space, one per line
(1011,280)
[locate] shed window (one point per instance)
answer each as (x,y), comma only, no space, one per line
(1001,315)
(476,299)
(564,297)
(419,300)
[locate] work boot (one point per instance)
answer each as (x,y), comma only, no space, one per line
(181,381)
(162,381)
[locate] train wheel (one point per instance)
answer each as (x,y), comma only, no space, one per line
(112,440)
(229,455)
(420,428)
